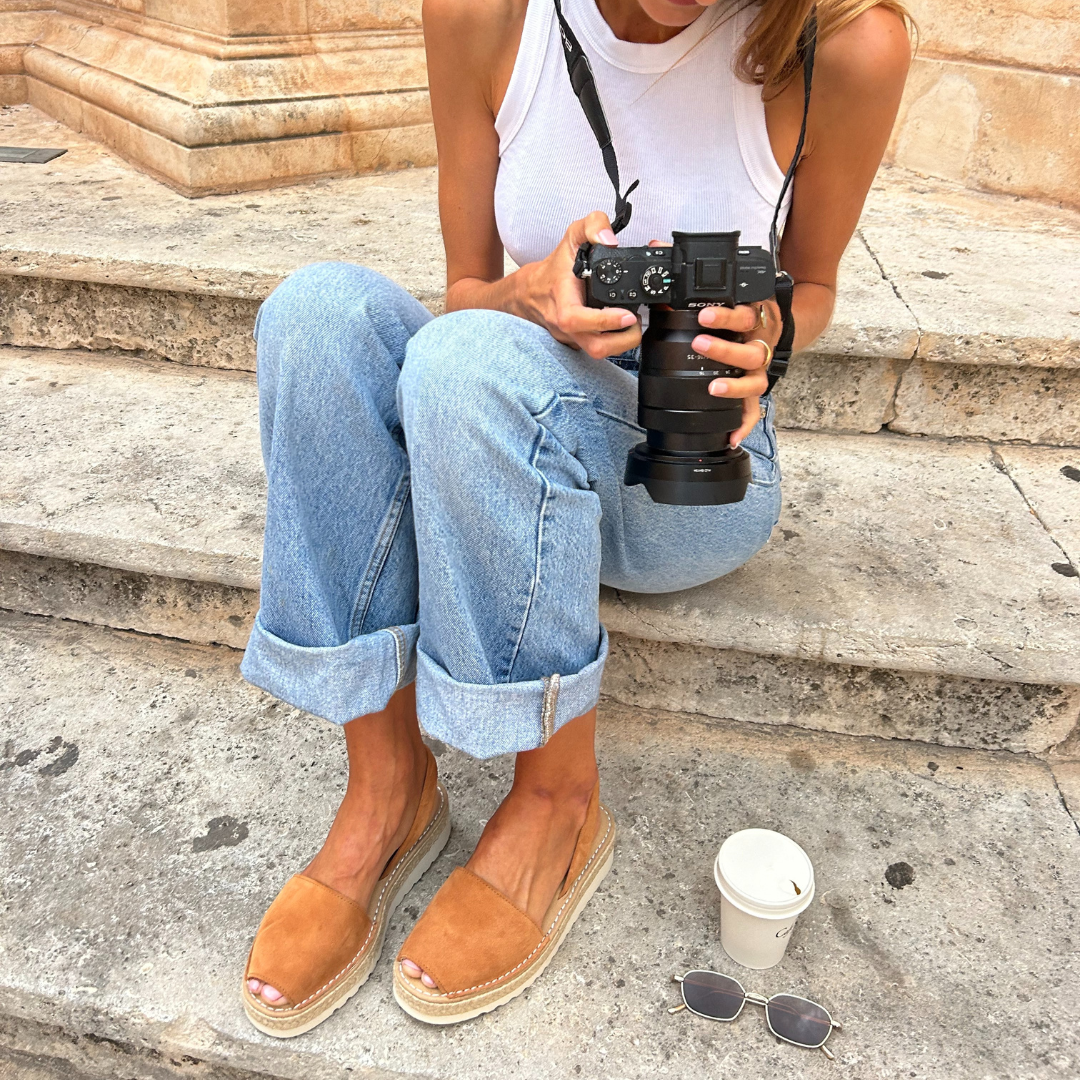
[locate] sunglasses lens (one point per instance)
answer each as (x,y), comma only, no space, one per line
(798,1020)
(712,995)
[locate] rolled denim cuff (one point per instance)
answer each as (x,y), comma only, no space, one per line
(504,718)
(338,682)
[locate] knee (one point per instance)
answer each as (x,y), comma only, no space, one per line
(470,363)
(319,296)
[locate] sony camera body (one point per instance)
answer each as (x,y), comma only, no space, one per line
(697,270)
(687,458)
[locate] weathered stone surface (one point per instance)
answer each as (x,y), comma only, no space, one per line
(1040,34)
(998,128)
(1067,775)
(988,280)
(201,611)
(117,928)
(915,556)
(837,393)
(1050,481)
(870,319)
(1028,404)
(908,555)
(202,329)
(89,216)
(763,689)
(149,468)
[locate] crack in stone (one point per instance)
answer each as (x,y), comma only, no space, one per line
(1064,802)
(1002,467)
(896,292)
(661,635)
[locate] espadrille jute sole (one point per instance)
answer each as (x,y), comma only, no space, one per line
(436,1008)
(289,1022)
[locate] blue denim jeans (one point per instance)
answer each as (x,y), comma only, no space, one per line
(445,498)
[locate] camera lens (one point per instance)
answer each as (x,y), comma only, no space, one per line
(686,459)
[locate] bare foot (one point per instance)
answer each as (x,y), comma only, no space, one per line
(386,777)
(526,847)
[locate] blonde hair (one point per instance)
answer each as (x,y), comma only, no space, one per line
(770,54)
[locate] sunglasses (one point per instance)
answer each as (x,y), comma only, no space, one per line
(791,1018)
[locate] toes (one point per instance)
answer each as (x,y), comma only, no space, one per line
(270,995)
(254,986)
(413,971)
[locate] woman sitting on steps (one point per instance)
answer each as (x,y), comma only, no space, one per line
(446,495)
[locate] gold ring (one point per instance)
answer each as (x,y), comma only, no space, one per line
(762,318)
(768,350)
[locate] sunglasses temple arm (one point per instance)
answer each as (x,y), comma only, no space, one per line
(677,1008)
(827,1052)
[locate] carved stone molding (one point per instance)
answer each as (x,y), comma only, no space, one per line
(218,103)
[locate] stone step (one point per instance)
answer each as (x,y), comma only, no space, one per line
(141,850)
(915,588)
(956,316)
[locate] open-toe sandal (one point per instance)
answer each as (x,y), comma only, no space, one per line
(480,949)
(318,947)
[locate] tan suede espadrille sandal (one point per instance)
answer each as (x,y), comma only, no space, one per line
(480,948)
(318,947)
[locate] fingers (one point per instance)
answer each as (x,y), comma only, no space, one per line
(749,386)
(743,318)
(751,415)
(599,346)
(596,228)
(575,319)
(750,356)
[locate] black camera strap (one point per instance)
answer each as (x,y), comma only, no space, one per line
(581,79)
(785,284)
(584,86)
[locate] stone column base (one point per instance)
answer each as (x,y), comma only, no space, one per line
(210,114)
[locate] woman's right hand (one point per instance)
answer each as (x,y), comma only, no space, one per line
(550,294)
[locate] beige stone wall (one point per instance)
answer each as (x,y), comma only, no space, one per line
(994,97)
(223,95)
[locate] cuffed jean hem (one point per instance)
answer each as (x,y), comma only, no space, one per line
(338,682)
(504,718)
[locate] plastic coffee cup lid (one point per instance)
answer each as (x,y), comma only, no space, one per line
(765,873)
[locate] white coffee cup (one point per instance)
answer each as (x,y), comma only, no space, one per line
(766,881)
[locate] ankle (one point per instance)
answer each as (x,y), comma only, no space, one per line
(570,797)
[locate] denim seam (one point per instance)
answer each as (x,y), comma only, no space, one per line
(549,707)
(400,647)
(620,420)
(556,399)
(383,542)
(535,584)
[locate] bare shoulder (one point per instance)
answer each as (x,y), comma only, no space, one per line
(478,37)
(477,26)
(870,55)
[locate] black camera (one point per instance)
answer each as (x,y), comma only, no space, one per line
(686,459)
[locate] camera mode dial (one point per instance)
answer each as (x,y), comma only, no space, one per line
(610,270)
(656,280)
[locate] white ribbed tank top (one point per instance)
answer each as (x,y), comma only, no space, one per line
(683,124)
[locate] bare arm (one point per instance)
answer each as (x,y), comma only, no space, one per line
(471,49)
(858,81)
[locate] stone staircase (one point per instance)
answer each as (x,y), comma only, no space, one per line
(917,587)
(921,588)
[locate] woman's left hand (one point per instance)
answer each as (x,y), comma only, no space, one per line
(751,355)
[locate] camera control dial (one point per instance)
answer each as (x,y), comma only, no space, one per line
(610,270)
(656,280)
